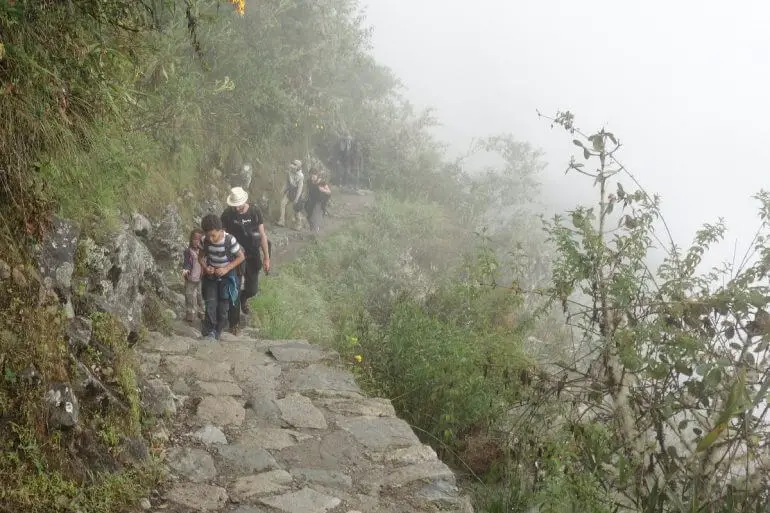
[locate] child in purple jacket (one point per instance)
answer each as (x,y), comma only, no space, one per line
(191,272)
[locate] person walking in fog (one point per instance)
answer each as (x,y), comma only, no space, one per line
(292,192)
(191,273)
(244,221)
(318,194)
(219,258)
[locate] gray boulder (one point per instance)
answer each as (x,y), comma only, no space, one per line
(56,259)
(242,176)
(62,406)
(119,285)
(213,203)
(5,270)
(141,226)
(79,332)
(168,241)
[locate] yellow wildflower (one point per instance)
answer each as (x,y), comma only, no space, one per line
(240,6)
(358,358)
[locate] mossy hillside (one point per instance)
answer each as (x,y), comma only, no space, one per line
(58,471)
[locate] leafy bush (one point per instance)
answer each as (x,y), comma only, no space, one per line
(675,374)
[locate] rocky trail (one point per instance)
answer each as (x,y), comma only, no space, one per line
(267,426)
(344,208)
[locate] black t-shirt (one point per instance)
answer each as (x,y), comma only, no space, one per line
(245,228)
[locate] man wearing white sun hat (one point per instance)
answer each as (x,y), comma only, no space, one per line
(244,221)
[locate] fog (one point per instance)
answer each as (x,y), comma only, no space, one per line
(683,85)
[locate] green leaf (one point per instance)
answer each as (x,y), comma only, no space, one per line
(577,142)
(708,440)
(683,368)
(659,371)
(586,154)
(724,362)
(735,399)
(713,377)
(10,376)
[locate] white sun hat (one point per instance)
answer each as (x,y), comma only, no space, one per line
(296,164)
(237,197)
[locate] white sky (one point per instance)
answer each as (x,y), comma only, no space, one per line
(684,85)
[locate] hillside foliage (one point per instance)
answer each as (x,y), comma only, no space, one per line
(562,372)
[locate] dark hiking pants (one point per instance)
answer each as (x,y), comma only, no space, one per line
(250,276)
(216,299)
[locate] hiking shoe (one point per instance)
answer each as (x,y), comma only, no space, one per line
(235,330)
(210,337)
(245,308)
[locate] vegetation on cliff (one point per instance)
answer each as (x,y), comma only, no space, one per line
(657,403)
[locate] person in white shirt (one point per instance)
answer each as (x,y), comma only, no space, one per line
(292,192)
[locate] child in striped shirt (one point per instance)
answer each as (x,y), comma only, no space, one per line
(219,257)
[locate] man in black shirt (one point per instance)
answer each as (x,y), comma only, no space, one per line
(244,221)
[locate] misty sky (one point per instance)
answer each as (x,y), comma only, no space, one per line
(684,85)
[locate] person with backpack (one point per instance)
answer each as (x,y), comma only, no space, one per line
(219,257)
(292,192)
(244,221)
(318,194)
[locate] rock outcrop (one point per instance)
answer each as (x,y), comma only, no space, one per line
(168,239)
(57,258)
(115,278)
(280,426)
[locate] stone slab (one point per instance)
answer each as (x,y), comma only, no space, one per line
(321,377)
(257,377)
(247,487)
(198,497)
(296,352)
(223,410)
(298,411)
(220,388)
(202,370)
(209,434)
(329,478)
(193,464)
(380,433)
(271,438)
(370,407)
(246,459)
(305,500)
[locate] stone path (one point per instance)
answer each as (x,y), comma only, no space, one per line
(257,426)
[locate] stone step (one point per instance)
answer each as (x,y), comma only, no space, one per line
(266,426)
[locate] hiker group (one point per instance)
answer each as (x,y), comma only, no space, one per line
(222,262)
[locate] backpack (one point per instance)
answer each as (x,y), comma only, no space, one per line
(229,238)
